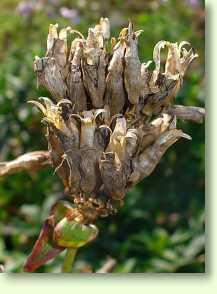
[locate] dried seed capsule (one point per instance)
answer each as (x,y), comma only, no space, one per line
(63,140)
(102,136)
(113,177)
(153,130)
(67,165)
(57,47)
(56,151)
(115,93)
(76,90)
(117,143)
(154,103)
(87,162)
(74,46)
(74,131)
(87,128)
(145,163)
(94,64)
(132,72)
(52,70)
(132,140)
(59,52)
(94,70)
(90,176)
(49,75)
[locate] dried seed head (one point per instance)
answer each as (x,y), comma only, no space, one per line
(110,127)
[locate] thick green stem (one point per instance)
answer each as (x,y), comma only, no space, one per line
(69,260)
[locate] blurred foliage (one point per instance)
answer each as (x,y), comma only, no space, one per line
(161,227)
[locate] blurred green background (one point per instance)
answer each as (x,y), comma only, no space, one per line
(161,227)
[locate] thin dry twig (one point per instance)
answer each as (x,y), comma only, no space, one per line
(108,266)
(195,114)
(30,161)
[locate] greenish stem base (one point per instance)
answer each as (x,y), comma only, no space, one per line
(69,260)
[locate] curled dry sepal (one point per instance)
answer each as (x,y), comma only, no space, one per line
(109,123)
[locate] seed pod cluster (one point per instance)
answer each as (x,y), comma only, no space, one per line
(107,122)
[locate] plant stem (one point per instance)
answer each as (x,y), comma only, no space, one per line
(69,260)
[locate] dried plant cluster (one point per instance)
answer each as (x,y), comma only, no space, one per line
(112,121)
